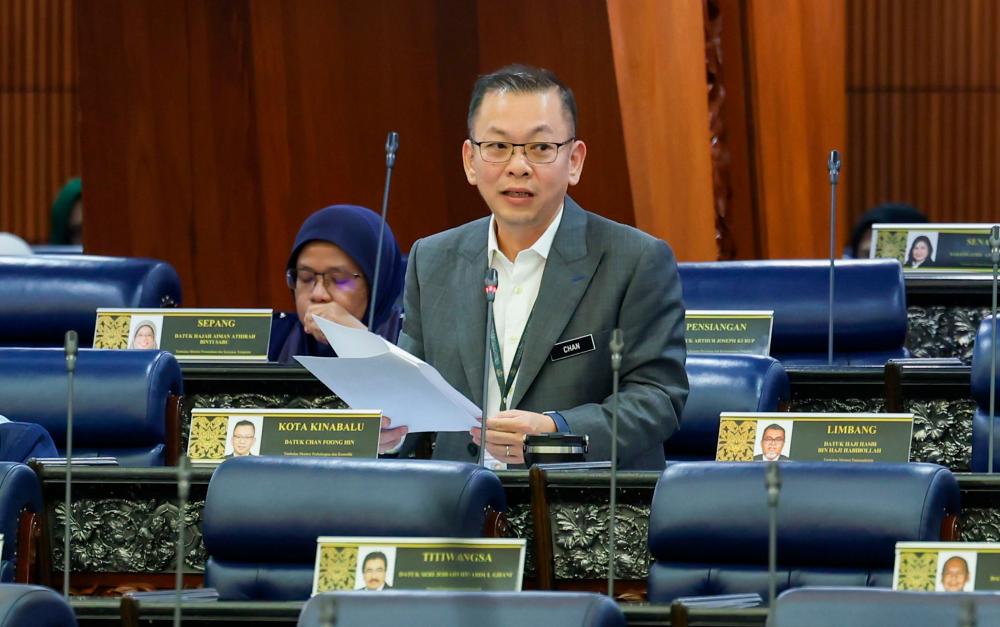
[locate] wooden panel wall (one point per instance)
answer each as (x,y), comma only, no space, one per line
(212,128)
(923,87)
(39,131)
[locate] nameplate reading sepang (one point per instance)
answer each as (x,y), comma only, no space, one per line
(813,437)
(930,248)
(946,566)
(219,434)
(377,564)
(190,334)
(745,332)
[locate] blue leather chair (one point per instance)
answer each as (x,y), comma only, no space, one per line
(721,383)
(36,606)
(460,609)
(262,515)
(980,384)
(860,607)
(869,313)
(20,508)
(838,524)
(42,297)
(125,403)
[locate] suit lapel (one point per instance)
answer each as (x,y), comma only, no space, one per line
(469,313)
(568,271)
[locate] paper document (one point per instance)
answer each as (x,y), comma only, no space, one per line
(372,373)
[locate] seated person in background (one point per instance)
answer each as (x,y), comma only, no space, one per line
(67,214)
(889,213)
(330,272)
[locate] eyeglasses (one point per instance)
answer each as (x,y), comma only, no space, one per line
(303,278)
(772,440)
(534,152)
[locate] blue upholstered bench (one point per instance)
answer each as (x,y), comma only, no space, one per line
(126,403)
(461,609)
(869,313)
(980,384)
(42,297)
(21,606)
(20,507)
(721,383)
(838,524)
(262,515)
(860,607)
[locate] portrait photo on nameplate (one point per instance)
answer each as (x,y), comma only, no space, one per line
(947,566)
(218,434)
(814,437)
(190,334)
(720,331)
(934,248)
(376,564)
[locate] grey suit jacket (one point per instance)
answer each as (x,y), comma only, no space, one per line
(599,275)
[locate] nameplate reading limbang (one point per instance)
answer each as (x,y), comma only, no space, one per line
(218,434)
(376,564)
(745,332)
(946,566)
(813,437)
(934,248)
(190,334)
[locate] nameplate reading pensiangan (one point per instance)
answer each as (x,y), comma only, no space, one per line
(237,335)
(729,331)
(935,248)
(947,566)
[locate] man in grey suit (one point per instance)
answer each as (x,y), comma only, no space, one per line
(567,278)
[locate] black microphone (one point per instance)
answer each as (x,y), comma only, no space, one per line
(183,490)
(833,169)
(995,257)
(772,479)
(490,288)
(617,345)
(391,146)
(71,348)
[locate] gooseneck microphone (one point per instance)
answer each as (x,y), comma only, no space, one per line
(391,146)
(617,345)
(772,479)
(71,347)
(490,288)
(833,168)
(995,257)
(183,489)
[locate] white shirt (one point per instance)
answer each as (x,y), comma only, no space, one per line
(517,289)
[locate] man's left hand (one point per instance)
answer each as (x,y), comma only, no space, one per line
(506,431)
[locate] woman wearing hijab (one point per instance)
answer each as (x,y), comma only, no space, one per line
(330,272)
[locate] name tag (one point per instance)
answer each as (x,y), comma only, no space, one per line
(947,566)
(572,348)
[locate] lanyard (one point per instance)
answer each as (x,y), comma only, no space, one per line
(506,386)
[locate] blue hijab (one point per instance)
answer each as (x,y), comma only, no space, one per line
(354,230)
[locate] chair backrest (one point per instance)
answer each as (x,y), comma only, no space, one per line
(20,493)
(122,400)
(980,385)
(866,607)
(43,296)
(34,605)
(721,383)
(869,311)
(460,609)
(262,515)
(838,524)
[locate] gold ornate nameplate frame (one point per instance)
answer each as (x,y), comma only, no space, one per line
(219,434)
(814,437)
(376,564)
(190,334)
(729,331)
(934,248)
(946,566)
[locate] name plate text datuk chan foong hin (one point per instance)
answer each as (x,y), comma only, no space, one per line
(190,334)
(220,434)
(947,566)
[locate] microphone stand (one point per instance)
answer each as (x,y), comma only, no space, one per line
(491,282)
(617,344)
(391,146)
(772,479)
(183,489)
(995,255)
(71,347)
(833,168)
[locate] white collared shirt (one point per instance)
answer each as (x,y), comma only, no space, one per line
(517,289)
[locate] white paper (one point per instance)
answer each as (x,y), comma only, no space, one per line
(373,373)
